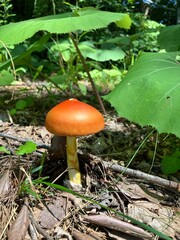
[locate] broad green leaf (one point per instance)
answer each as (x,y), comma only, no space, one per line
(4,150)
(26,148)
(106,53)
(169,38)
(171,164)
(102,55)
(24,57)
(6,78)
(84,20)
(125,22)
(150,92)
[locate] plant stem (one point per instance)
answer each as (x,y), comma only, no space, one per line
(72,161)
(88,73)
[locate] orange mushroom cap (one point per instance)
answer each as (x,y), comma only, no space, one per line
(74,118)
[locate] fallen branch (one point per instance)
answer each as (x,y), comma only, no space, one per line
(116,224)
(23,140)
(145,176)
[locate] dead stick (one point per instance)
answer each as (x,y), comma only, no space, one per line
(39,229)
(88,73)
(145,176)
(23,140)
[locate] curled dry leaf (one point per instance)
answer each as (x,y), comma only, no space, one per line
(163,218)
(20,226)
(4,184)
(114,223)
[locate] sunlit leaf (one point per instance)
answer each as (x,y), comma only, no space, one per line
(6,78)
(27,148)
(85,20)
(150,92)
(125,22)
(4,150)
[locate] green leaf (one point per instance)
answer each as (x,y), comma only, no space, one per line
(106,53)
(125,22)
(82,88)
(150,92)
(24,57)
(13,111)
(171,164)
(21,104)
(169,38)
(102,55)
(6,78)
(27,148)
(84,20)
(4,150)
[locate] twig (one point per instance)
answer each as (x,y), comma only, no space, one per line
(39,229)
(171,185)
(145,176)
(117,224)
(23,140)
(88,73)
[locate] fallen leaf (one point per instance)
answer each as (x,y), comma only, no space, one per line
(20,226)
(4,184)
(162,218)
(134,191)
(53,213)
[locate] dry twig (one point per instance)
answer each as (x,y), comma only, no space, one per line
(23,140)
(171,185)
(114,223)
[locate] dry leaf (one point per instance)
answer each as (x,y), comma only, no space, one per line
(162,218)
(53,213)
(4,184)
(134,191)
(20,226)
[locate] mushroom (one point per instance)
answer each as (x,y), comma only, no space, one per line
(72,118)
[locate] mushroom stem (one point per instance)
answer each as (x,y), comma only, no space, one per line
(72,160)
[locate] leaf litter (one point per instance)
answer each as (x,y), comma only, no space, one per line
(60,215)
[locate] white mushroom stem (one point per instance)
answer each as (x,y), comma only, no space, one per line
(72,161)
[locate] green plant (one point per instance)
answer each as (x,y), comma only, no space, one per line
(83,20)
(28,186)
(21,105)
(149,93)
(5,11)
(170,164)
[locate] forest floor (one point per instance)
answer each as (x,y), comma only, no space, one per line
(121,176)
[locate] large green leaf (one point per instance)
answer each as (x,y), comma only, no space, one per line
(169,38)
(22,56)
(88,49)
(84,20)
(150,92)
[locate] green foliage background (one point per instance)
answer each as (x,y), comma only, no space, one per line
(149,74)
